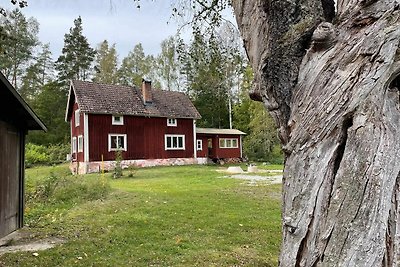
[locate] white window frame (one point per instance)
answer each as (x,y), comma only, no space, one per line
(172,122)
(199,144)
(77,117)
(226,141)
(80,143)
(114,122)
(74,145)
(172,136)
(125,148)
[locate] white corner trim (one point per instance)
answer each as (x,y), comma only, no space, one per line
(85,137)
(241,147)
(194,140)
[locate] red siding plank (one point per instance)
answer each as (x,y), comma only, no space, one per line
(145,137)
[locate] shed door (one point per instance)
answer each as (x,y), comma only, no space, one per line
(9,178)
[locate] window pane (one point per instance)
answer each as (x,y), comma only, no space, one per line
(180,142)
(174,142)
(169,145)
(114,141)
(221,142)
(117,119)
(234,143)
(228,143)
(120,142)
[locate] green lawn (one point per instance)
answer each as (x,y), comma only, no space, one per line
(162,216)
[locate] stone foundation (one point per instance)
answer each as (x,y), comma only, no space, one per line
(98,166)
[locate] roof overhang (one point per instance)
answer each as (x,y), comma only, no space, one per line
(32,121)
(219,131)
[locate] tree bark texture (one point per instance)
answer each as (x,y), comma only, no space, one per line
(334,93)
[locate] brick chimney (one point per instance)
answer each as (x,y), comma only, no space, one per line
(146,92)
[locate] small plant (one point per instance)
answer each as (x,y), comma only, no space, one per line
(117,173)
(131,171)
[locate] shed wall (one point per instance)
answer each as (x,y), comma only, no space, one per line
(11,178)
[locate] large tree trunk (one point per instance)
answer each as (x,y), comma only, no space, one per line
(337,106)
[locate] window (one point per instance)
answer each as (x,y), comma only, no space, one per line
(80,143)
(73,144)
(199,144)
(174,142)
(117,120)
(117,142)
(228,143)
(77,117)
(172,122)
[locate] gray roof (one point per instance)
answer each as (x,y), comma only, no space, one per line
(218,131)
(127,100)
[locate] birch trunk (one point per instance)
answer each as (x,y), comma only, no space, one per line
(337,106)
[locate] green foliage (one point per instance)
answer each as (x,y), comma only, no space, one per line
(106,64)
(17,48)
(208,67)
(35,154)
(77,55)
(117,172)
(45,155)
(167,65)
(39,72)
(261,142)
(58,190)
(135,67)
(48,105)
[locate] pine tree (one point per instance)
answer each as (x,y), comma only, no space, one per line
(77,55)
(106,64)
(39,72)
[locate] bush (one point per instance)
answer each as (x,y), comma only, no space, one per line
(117,173)
(45,155)
(51,195)
(69,189)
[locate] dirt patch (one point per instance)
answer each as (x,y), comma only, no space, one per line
(23,241)
(256,179)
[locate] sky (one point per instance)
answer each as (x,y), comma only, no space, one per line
(117,21)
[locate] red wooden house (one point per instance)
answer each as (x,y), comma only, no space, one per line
(219,144)
(151,127)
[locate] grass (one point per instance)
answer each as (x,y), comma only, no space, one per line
(162,216)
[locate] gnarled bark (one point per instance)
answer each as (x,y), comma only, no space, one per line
(336,102)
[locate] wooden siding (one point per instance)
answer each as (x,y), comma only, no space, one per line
(76,131)
(11,178)
(145,137)
(216,151)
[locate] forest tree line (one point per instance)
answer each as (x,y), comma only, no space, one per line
(211,69)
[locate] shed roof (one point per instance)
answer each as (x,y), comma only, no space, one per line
(127,100)
(219,131)
(15,110)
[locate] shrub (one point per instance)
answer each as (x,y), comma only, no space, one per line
(35,154)
(117,173)
(45,155)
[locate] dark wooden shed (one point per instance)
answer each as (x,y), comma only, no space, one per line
(16,118)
